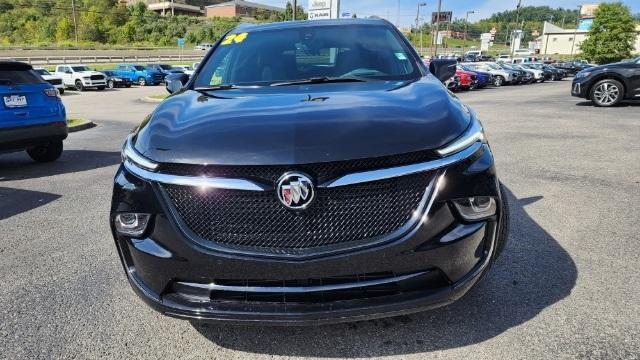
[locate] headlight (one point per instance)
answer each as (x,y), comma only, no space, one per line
(130,154)
(473,134)
(582,74)
(87,78)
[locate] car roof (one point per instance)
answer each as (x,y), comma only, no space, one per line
(14,65)
(308,23)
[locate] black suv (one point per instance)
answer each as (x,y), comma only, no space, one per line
(608,85)
(308,172)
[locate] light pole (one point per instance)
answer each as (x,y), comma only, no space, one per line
(575,32)
(418,24)
(466,23)
(515,31)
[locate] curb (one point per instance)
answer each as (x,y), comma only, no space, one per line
(152,100)
(88,125)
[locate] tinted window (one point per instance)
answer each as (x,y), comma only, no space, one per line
(165,67)
(269,56)
(139,68)
(19,77)
(80,68)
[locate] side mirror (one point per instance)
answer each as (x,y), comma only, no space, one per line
(175,82)
(443,69)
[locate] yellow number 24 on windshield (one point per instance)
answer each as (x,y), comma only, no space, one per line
(234,38)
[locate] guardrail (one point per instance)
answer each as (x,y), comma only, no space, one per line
(102,59)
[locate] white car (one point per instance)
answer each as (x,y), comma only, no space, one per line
(81,77)
(185,69)
(504,58)
(500,76)
(538,75)
(522,52)
(54,80)
(204,46)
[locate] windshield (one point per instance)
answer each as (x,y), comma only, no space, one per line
(165,67)
(108,73)
(80,68)
(139,68)
(42,71)
(286,55)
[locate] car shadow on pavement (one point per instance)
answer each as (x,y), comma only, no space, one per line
(533,273)
(625,103)
(17,201)
(19,166)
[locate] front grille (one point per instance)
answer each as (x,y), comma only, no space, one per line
(55,81)
(320,171)
(97,77)
(339,217)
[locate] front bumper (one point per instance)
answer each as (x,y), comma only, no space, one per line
(93,83)
(580,88)
(434,263)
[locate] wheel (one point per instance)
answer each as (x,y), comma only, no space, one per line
(607,93)
(142,81)
(111,84)
(46,153)
(100,88)
(79,86)
(61,91)
(503,231)
(498,81)
(129,85)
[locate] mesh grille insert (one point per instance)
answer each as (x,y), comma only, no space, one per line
(257,221)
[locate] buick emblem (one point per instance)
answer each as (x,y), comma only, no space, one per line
(295,191)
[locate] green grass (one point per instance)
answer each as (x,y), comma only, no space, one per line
(159,97)
(76,122)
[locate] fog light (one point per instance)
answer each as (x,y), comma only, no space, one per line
(476,208)
(132,224)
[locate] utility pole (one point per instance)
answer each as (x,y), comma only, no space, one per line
(75,24)
(575,32)
(418,24)
(466,23)
(435,52)
(295,7)
(515,31)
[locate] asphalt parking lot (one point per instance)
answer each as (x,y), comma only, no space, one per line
(567,286)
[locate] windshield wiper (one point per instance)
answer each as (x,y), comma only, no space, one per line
(217,87)
(320,80)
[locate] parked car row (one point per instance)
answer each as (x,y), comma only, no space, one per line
(81,77)
(477,75)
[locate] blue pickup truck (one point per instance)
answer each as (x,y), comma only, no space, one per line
(139,74)
(32,116)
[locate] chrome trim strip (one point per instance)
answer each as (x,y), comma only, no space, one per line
(204,182)
(300,289)
(382,174)
(132,155)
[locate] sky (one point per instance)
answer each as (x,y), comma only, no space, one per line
(388,9)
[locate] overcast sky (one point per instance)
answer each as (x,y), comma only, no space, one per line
(483,8)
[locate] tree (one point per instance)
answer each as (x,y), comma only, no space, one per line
(612,36)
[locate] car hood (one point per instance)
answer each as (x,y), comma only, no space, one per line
(89,73)
(302,124)
(622,64)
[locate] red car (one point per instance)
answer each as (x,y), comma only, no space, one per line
(468,80)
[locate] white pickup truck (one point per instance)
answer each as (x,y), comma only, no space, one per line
(54,80)
(81,77)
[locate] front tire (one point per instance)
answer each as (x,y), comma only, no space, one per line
(142,81)
(79,86)
(498,81)
(61,91)
(607,93)
(503,231)
(46,153)
(111,84)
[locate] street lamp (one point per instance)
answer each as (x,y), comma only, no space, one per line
(418,24)
(575,32)
(466,23)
